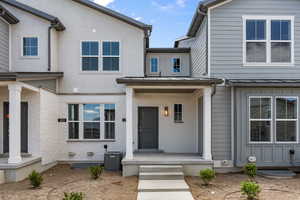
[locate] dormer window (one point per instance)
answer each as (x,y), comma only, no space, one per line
(268,40)
(30,46)
(176,65)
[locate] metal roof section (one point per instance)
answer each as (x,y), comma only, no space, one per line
(54,20)
(168,81)
(8,16)
(14,76)
(168,50)
(263,82)
(115,14)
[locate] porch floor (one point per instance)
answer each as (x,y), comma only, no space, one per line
(25,161)
(166,159)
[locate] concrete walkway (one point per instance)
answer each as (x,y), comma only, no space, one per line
(162,182)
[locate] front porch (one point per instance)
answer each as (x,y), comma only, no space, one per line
(169,115)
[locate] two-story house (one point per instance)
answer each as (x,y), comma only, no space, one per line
(78,79)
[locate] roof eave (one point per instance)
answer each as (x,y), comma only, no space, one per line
(115,14)
(8,16)
(54,20)
(168,50)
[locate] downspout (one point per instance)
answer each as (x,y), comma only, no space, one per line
(49,46)
(146,45)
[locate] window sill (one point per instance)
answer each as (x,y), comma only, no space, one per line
(178,122)
(100,73)
(30,57)
(85,140)
(269,65)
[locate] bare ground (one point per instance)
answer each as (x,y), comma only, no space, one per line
(60,179)
(227,187)
(112,186)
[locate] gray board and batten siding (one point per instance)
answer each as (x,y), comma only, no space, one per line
(227,38)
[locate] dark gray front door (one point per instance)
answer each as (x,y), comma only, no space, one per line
(148,127)
(24,127)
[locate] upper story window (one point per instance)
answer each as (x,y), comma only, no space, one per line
(154,65)
(90,56)
(268,40)
(93,60)
(176,65)
(111,56)
(30,46)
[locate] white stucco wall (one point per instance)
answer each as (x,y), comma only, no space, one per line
(84,23)
(49,135)
(29,26)
(173,137)
(81,148)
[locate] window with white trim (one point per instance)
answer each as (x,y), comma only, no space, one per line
(260,120)
(178,113)
(109,120)
(111,56)
(154,65)
(286,119)
(73,121)
(89,121)
(176,65)
(268,40)
(90,56)
(30,46)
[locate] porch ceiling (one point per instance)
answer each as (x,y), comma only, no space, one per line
(168,81)
(164,90)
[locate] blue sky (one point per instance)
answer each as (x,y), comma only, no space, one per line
(170,18)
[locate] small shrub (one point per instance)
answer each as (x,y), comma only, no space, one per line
(207,175)
(250,169)
(73,196)
(96,171)
(36,179)
(250,189)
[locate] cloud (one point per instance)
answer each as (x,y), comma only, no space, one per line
(163,7)
(181,3)
(104,2)
(138,18)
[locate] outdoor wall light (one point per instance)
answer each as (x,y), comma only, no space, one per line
(166,111)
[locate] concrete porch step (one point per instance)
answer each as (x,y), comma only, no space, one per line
(165,196)
(162,186)
(161,175)
(160,168)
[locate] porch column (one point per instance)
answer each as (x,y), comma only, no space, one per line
(129,123)
(14,123)
(207,92)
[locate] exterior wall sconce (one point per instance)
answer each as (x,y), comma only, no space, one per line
(166,111)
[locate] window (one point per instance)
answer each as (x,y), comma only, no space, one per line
(176,65)
(89,121)
(111,56)
(91,117)
(154,65)
(256,40)
(178,113)
(109,121)
(268,40)
(281,41)
(73,118)
(286,119)
(30,46)
(260,120)
(90,56)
